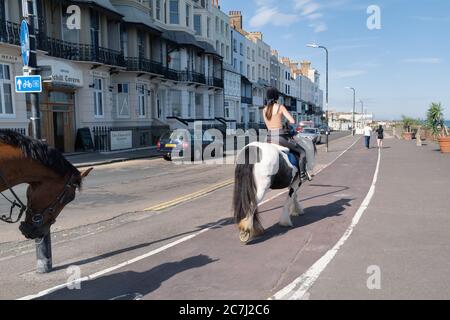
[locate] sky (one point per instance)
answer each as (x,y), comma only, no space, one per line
(398,66)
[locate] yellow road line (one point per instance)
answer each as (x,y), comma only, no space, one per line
(191,196)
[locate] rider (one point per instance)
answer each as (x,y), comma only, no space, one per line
(273,116)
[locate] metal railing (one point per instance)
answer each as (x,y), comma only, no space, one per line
(145,65)
(9,32)
(191,76)
(80,52)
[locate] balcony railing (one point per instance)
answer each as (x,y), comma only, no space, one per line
(190,76)
(80,52)
(145,65)
(9,32)
(246,100)
(215,82)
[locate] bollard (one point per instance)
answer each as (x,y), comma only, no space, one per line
(44,254)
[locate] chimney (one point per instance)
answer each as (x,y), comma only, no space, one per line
(215,3)
(305,67)
(236,19)
(257,34)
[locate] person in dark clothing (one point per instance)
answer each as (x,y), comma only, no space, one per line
(273,116)
(380,132)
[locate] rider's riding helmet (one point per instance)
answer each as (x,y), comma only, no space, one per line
(273,94)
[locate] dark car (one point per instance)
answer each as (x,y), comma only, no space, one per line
(189,145)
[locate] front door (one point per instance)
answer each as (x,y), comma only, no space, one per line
(58,131)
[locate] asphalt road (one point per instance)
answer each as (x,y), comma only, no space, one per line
(103,244)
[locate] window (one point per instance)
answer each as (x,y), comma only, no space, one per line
(142,100)
(253,55)
(188,15)
(222,50)
(208,27)
(248,71)
(158,9)
(248,53)
(98,97)
(222,29)
(124,42)
(217,25)
(234,45)
(123,106)
(198,24)
(174,12)
(175,102)
(211,107)
(71,35)
(241,67)
(226,30)
(6,104)
(241,49)
(190,106)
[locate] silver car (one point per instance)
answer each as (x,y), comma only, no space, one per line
(312,133)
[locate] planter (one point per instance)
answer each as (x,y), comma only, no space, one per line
(407,135)
(444,143)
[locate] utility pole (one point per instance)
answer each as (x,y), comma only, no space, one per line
(354,105)
(43,245)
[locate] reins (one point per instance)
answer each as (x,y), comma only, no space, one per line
(16,203)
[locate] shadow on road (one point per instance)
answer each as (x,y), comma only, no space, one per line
(119,286)
(214,225)
(312,215)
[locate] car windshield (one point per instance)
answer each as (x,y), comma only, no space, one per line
(311,131)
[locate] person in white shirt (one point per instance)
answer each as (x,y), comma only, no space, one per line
(367,134)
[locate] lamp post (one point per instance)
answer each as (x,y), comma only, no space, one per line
(363,118)
(354,103)
(326,90)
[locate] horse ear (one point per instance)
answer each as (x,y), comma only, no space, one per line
(85,173)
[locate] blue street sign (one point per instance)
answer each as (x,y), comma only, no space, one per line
(25,42)
(28,84)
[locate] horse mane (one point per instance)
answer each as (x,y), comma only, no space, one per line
(39,151)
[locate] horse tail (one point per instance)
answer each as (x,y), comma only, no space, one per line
(244,198)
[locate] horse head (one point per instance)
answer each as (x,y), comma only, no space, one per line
(45,201)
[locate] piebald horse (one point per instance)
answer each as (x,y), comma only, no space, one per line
(264,166)
(52,181)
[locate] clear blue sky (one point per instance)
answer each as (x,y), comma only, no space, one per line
(398,69)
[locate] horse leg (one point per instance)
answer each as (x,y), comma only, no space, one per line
(263,184)
(297,209)
(285,219)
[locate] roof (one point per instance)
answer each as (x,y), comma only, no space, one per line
(105,4)
(135,16)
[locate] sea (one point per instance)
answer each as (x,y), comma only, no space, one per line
(447,123)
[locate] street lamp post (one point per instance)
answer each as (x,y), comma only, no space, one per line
(354,104)
(363,118)
(326,94)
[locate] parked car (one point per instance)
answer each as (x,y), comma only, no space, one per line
(323,129)
(312,133)
(304,124)
(185,143)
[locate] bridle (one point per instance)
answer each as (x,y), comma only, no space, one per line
(37,217)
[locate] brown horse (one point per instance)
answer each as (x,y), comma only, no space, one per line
(52,181)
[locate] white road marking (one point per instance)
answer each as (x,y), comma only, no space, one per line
(298,289)
(153,252)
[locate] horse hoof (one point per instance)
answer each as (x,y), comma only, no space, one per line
(244,236)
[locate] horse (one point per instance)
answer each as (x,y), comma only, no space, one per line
(52,182)
(260,167)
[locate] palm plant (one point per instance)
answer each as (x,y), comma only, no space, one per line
(435,120)
(408,122)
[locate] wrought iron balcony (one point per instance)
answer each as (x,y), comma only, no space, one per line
(144,65)
(80,52)
(9,32)
(247,100)
(215,82)
(190,76)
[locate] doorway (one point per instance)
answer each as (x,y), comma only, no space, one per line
(58,130)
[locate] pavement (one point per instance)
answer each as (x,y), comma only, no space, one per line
(91,159)
(185,247)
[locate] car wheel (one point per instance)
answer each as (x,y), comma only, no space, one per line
(167,158)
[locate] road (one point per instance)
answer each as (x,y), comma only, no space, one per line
(189,249)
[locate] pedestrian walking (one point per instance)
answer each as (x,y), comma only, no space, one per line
(367,134)
(380,132)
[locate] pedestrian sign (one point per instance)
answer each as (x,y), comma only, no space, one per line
(25,43)
(28,84)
